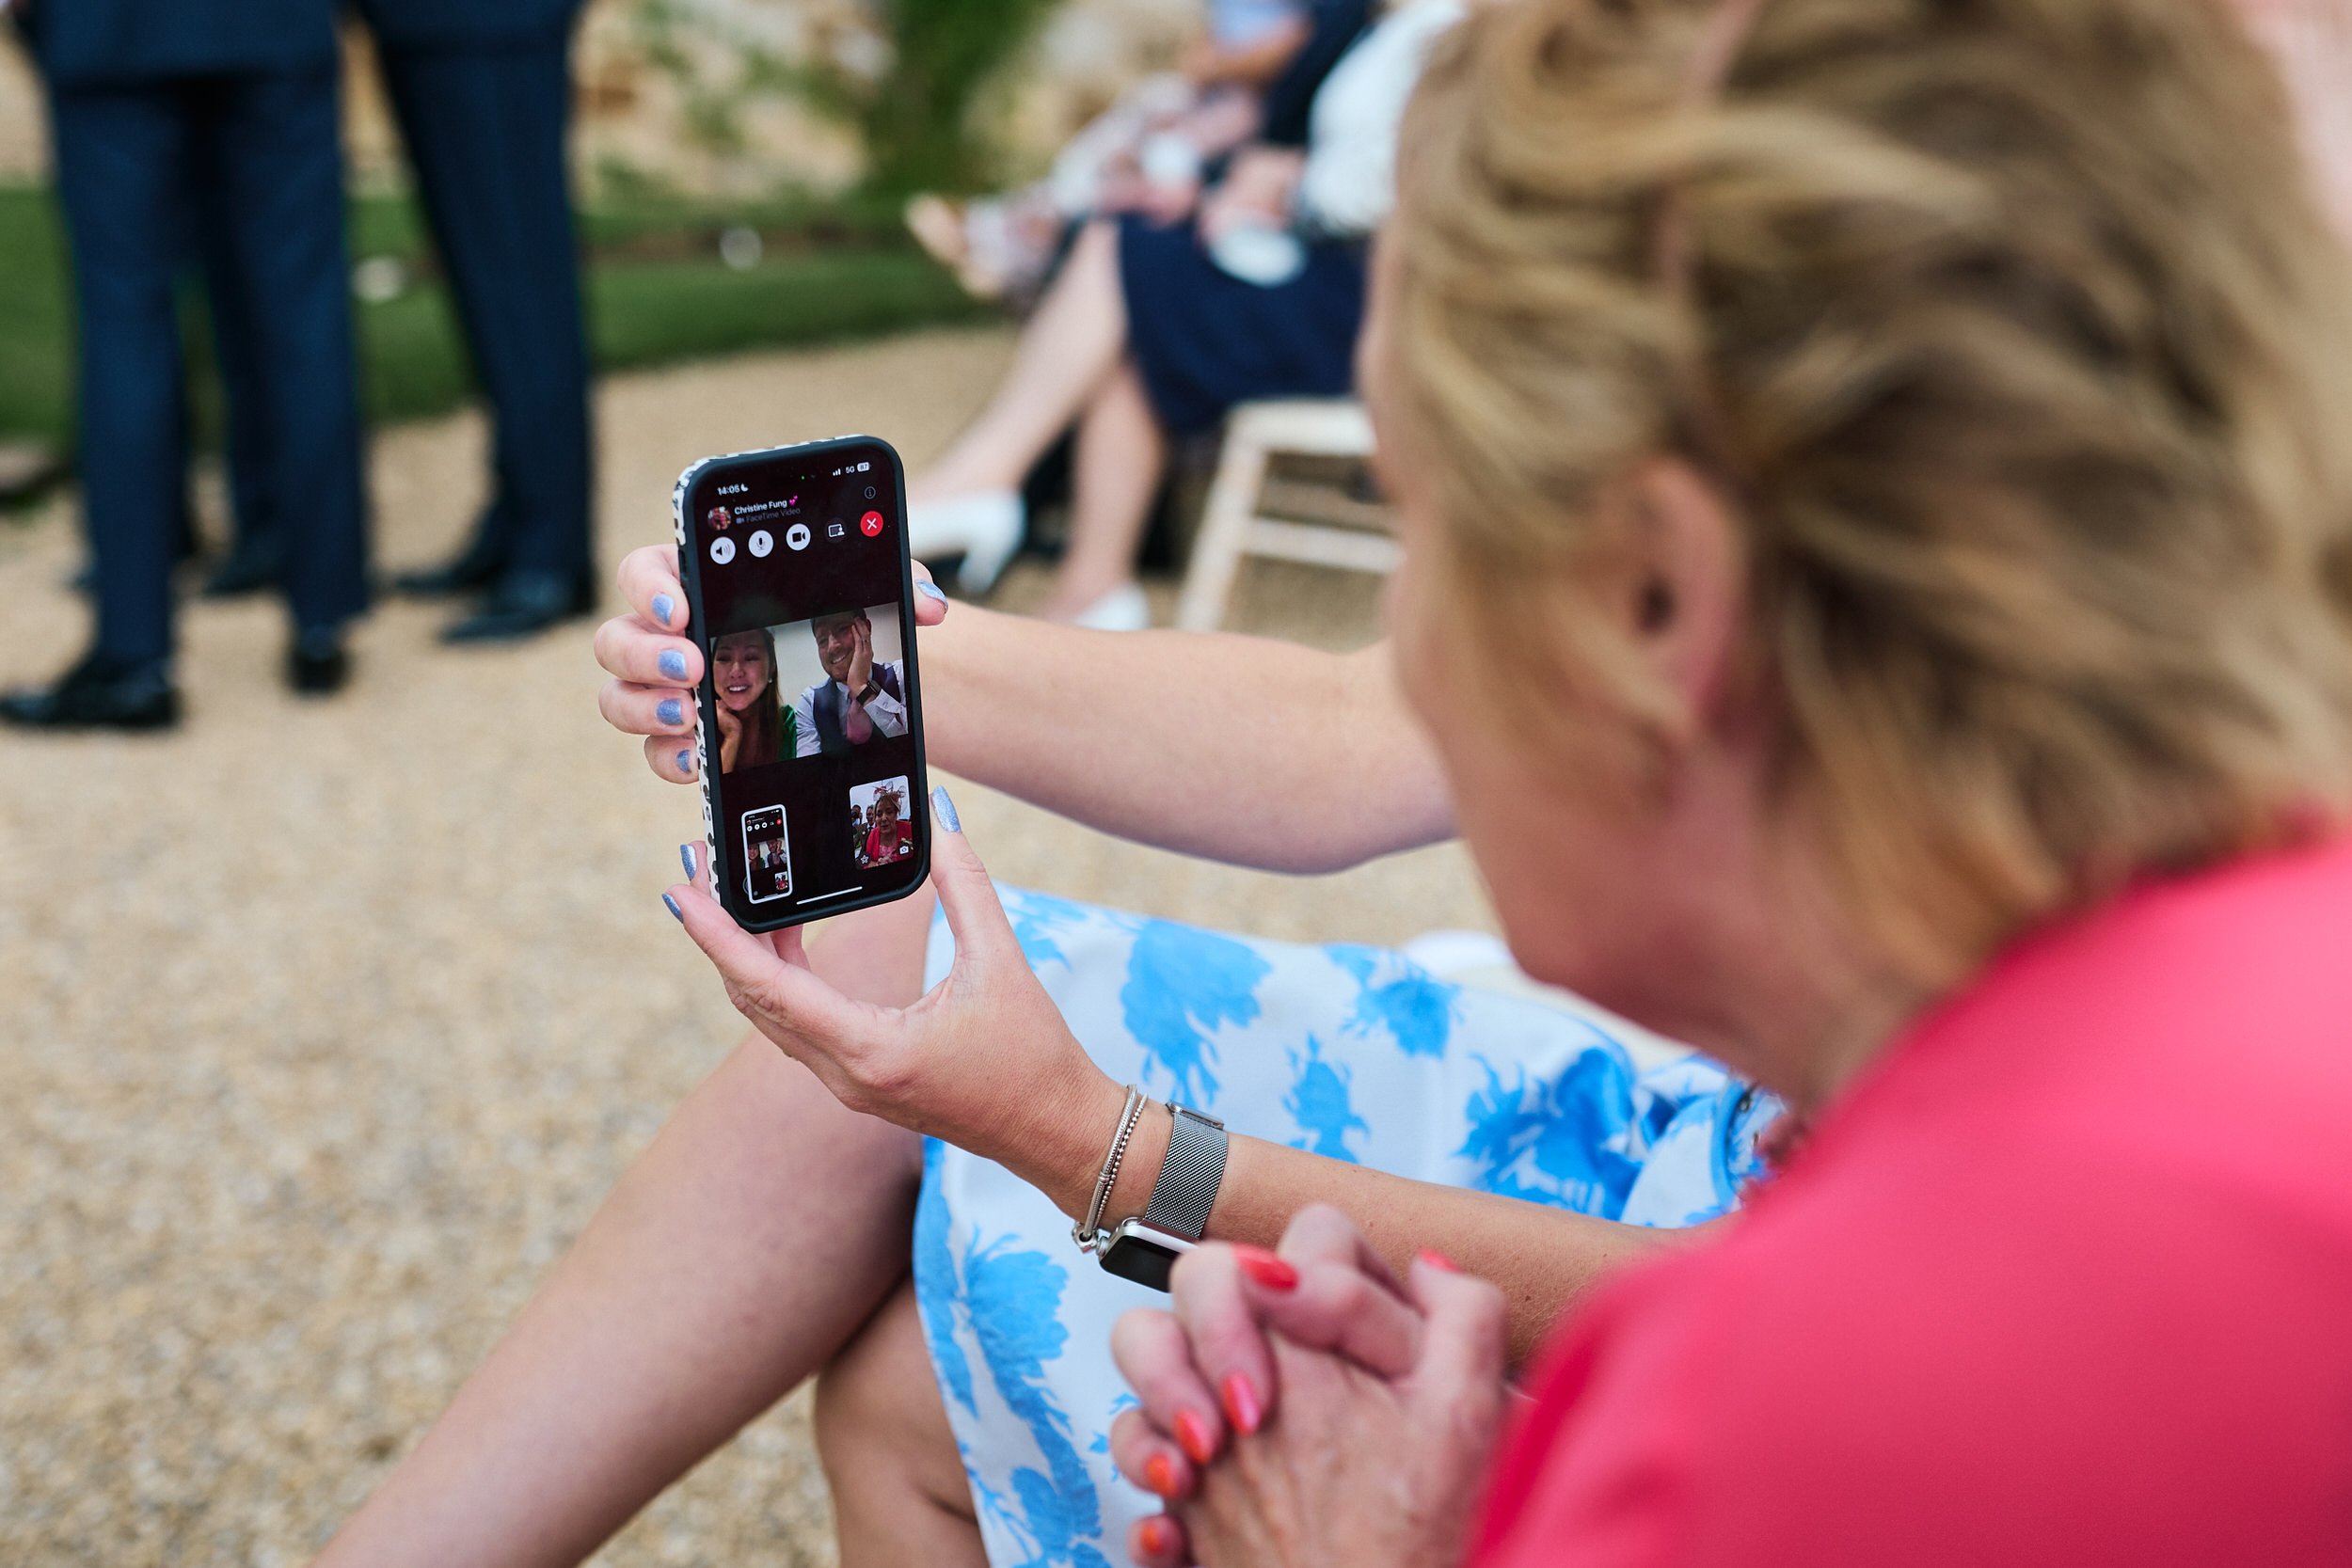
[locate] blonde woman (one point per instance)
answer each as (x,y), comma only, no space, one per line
(1916,427)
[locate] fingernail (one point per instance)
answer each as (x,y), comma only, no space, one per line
(1267,1269)
(674,908)
(670,711)
(1439,1261)
(946,808)
(1152,1539)
(674,664)
(930,591)
(1159,1476)
(662,604)
(685,854)
(686,761)
(1192,1435)
(1241,1404)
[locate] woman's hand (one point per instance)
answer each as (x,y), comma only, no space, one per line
(860,660)
(1307,1407)
(982,1060)
(655,667)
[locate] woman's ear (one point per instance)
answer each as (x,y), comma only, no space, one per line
(1687,584)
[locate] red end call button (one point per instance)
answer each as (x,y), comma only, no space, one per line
(870,524)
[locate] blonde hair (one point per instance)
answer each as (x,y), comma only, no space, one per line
(2012,330)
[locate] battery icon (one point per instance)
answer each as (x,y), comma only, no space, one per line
(863,466)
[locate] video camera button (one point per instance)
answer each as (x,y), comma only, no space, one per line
(797,537)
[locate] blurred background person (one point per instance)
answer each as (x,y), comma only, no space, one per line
(162,116)
(255,556)
(1155,331)
(1147,152)
(483,92)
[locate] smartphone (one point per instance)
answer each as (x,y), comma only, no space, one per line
(801,598)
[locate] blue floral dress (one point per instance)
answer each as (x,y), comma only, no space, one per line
(1355,1052)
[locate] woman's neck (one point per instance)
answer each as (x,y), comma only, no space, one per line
(1823,1004)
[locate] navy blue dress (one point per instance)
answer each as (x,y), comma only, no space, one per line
(1205,340)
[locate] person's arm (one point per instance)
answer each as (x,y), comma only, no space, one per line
(1254,64)
(1237,748)
(888,714)
(1231,748)
(805,741)
(1544,1259)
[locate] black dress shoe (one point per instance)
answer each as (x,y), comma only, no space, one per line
(477,567)
(246,569)
(522,604)
(99,693)
(317,664)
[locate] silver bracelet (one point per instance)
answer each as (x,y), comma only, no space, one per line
(1087,1232)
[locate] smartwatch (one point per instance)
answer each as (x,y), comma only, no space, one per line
(1145,1249)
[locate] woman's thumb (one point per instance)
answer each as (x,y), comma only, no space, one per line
(966,896)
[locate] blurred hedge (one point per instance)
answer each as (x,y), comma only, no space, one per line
(658,291)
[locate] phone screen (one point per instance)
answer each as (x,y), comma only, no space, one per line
(811,712)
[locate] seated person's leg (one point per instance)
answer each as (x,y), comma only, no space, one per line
(1069,344)
(899,1489)
(1352,1053)
(1121,456)
(741,1250)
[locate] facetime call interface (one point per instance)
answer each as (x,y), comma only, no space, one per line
(799,584)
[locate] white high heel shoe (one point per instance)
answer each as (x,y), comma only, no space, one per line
(984,528)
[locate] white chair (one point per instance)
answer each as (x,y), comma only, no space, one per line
(1232,524)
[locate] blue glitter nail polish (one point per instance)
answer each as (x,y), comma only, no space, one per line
(662,606)
(674,908)
(686,761)
(946,808)
(686,857)
(930,591)
(670,711)
(674,664)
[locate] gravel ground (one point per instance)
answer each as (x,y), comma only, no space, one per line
(324,1028)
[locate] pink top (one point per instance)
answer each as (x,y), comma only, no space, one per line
(2065,1279)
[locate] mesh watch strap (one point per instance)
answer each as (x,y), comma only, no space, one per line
(1189,1176)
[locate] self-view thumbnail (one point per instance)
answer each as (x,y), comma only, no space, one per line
(767,856)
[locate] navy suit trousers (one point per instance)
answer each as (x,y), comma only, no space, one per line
(265,148)
(485,128)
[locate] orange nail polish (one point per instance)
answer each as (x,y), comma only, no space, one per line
(1439,1261)
(1192,1432)
(1241,1404)
(1151,1537)
(1266,1268)
(1159,1476)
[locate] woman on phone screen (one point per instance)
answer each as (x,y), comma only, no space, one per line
(752,729)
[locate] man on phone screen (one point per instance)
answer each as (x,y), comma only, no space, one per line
(862,700)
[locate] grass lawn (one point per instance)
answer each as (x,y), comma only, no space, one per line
(657,291)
